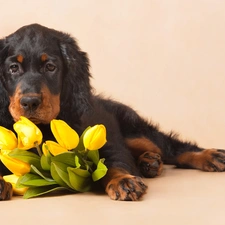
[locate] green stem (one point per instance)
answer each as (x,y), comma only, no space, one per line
(85,153)
(38,149)
(83,157)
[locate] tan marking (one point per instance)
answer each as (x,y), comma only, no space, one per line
(140,145)
(44,57)
(47,110)
(20,58)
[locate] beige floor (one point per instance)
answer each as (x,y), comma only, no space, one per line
(177,197)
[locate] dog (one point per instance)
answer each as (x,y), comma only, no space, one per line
(45,75)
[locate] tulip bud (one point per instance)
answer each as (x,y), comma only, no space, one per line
(64,134)
(16,166)
(7,139)
(28,133)
(95,137)
(53,147)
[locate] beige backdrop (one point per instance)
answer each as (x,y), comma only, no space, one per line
(164,58)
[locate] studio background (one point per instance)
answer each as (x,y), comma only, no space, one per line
(163,58)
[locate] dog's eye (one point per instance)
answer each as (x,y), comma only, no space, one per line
(14,68)
(50,67)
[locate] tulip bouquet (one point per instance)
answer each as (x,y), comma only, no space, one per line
(72,163)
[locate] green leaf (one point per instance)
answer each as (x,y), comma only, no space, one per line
(100,171)
(66,157)
(82,156)
(80,172)
(93,156)
(37,191)
(17,153)
(45,162)
(77,163)
(42,174)
(59,175)
(30,179)
(26,156)
(79,179)
(81,163)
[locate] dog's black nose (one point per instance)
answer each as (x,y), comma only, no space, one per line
(30,103)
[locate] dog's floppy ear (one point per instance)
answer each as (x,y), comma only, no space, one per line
(76,84)
(2,41)
(3,55)
(2,45)
(5,117)
(3,52)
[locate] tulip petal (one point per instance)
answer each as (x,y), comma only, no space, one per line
(26,156)
(16,166)
(64,134)
(28,133)
(8,139)
(95,137)
(55,148)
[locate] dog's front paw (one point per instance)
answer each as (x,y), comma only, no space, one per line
(6,190)
(126,188)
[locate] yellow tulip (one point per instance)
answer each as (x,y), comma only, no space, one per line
(95,137)
(12,178)
(53,147)
(29,135)
(64,134)
(16,166)
(7,139)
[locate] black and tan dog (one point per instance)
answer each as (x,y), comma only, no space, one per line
(44,75)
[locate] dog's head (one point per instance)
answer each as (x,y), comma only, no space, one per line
(44,74)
